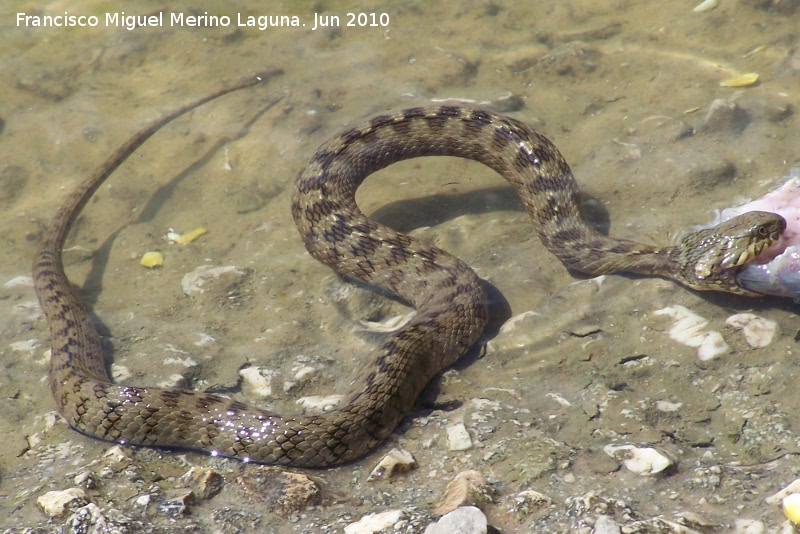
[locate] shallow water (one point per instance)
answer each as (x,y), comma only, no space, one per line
(622,88)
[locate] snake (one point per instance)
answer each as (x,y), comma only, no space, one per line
(448,296)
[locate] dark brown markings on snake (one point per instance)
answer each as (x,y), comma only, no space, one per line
(474,124)
(449,111)
(381,120)
(413,113)
(203,403)
(170,397)
(439,120)
(355,135)
(325,158)
(402,126)
(502,138)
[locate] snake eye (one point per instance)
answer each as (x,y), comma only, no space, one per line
(762,231)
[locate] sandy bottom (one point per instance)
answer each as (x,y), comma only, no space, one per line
(622,88)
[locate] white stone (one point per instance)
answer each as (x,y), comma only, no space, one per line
(690,329)
(24,346)
(323,403)
(306,373)
(55,503)
(666,406)
(463,520)
(705,5)
(258,380)
(758,332)
(749,526)
(395,461)
(20,281)
(372,523)
(640,460)
(458,438)
(777,498)
(605,525)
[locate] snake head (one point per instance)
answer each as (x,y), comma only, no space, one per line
(714,256)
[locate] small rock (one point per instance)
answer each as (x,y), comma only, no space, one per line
(258,380)
(90,519)
(694,519)
(467,488)
(518,331)
(458,438)
(463,520)
(396,461)
(55,503)
(174,502)
(757,331)
(322,403)
(690,329)
(54,84)
(749,526)
(784,7)
(641,460)
(204,483)
(521,58)
(605,525)
(708,172)
(193,282)
(372,523)
(777,498)
(527,501)
(571,59)
(725,116)
(280,490)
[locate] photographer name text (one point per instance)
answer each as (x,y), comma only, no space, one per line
(160,19)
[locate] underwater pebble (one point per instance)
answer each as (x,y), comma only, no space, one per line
(518,331)
(20,281)
(193,282)
(757,331)
(689,329)
(204,483)
(28,345)
(777,498)
(258,380)
(640,460)
(458,438)
(371,523)
(90,519)
(395,462)
(279,490)
(323,403)
(749,526)
(527,501)
(667,407)
(468,488)
(464,520)
(606,525)
(55,503)
(725,116)
(706,5)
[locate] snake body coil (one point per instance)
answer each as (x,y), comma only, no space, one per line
(446,293)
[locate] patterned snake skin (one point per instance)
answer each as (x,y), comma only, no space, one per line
(446,293)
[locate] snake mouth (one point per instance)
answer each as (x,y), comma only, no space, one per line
(775,270)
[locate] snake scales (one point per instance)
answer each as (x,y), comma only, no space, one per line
(447,294)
